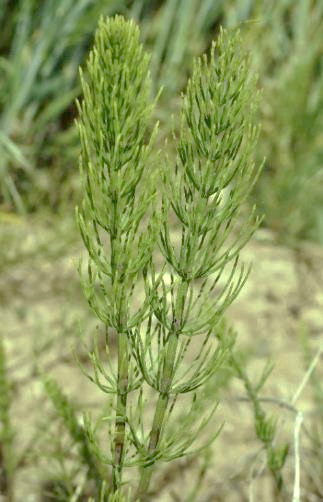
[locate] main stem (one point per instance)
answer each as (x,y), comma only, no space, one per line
(122,377)
(122,393)
(164,394)
(160,411)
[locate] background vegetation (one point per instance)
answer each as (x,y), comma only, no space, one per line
(42,44)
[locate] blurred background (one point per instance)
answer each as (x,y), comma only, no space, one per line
(42,45)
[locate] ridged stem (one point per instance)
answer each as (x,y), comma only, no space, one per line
(164,394)
(122,393)
(122,377)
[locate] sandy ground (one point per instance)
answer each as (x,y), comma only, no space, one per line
(43,312)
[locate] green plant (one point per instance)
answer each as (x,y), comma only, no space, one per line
(265,425)
(313,427)
(67,413)
(287,45)
(156,292)
(42,45)
(172,41)
(166,31)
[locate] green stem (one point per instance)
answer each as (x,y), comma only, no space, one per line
(122,378)
(164,394)
(122,393)
(160,411)
(113,237)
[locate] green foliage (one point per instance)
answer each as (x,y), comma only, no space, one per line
(172,41)
(287,49)
(66,411)
(42,50)
(117,496)
(113,128)
(115,158)
(265,426)
(39,83)
(122,231)
(155,285)
(314,429)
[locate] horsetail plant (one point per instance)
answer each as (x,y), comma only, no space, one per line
(115,158)
(123,230)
